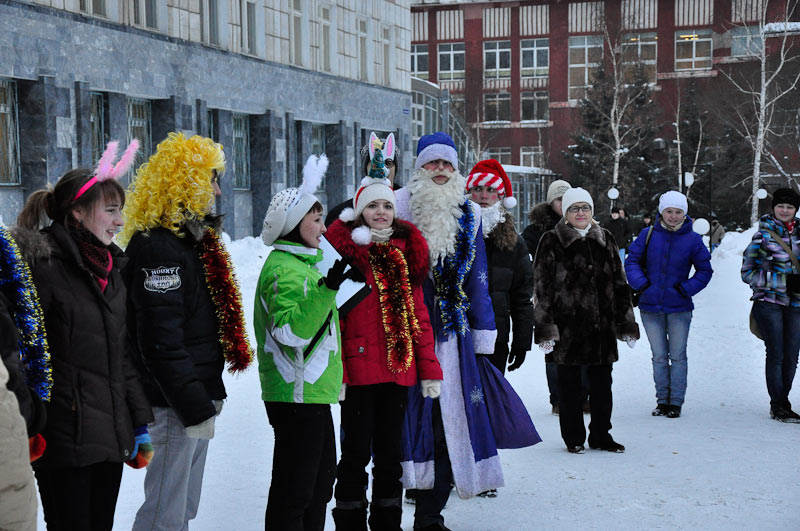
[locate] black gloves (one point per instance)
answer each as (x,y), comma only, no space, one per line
(336,275)
(515,359)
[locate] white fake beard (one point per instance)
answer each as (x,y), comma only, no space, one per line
(436,209)
(491,217)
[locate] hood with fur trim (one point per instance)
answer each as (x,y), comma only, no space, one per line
(543,217)
(33,244)
(504,235)
(407,237)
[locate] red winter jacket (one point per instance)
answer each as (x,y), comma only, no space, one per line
(363,336)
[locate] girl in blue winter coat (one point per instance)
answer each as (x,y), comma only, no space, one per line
(658,268)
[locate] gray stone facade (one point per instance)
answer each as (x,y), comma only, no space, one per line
(57,58)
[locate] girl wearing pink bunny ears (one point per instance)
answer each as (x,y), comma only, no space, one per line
(97,415)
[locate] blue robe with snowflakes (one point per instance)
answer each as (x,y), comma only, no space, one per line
(470,441)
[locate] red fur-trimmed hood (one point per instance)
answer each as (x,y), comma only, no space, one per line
(406,237)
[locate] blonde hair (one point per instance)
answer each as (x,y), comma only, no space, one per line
(174,186)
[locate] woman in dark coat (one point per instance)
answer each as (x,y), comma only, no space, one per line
(97,415)
(582,307)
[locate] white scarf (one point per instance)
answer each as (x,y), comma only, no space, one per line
(491,217)
(436,209)
(381,235)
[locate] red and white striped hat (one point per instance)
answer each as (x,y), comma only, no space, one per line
(491,173)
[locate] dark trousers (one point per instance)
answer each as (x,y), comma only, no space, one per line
(552,382)
(571,404)
(372,420)
(430,503)
(780,328)
(79,497)
(303,466)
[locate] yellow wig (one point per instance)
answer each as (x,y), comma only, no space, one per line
(174,186)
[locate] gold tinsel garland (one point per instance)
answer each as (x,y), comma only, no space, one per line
(400,324)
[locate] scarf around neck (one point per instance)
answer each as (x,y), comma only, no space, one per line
(94,254)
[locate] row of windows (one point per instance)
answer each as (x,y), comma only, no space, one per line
(693,51)
(528,155)
(497,107)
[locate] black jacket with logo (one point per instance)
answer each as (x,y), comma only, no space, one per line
(173,321)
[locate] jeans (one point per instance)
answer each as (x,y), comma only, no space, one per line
(372,421)
(174,476)
(570,416)
(79,497)
(430,503)
(668,334)
(780,327)
(622,256)
(303,466)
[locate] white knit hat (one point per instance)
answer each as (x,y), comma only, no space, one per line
(289,206)
(557,189)
(672,199)
(575,195)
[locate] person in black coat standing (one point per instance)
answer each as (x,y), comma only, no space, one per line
(185,315)
(510,268)
(619,227)
(98,413)
(544,217)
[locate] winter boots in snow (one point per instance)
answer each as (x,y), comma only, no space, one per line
(384,515)
(784,414)
(350,516)
(665,410)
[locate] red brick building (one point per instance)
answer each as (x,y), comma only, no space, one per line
(517,69)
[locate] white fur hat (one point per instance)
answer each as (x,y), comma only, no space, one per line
(672,199)
(289,206)
(372,189)
(575,195)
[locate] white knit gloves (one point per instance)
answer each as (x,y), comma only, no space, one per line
(431,388)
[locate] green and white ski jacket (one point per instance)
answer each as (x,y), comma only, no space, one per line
(297,329)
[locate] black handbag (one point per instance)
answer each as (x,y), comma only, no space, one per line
(638,293)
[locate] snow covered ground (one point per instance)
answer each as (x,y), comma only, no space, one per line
(723,465)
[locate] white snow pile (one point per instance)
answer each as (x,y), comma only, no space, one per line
(724,464)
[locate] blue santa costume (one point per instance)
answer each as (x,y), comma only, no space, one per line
(457,297)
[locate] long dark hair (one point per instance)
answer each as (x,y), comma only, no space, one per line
(57,202)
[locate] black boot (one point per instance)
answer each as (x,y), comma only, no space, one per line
(386,514)
(350,516)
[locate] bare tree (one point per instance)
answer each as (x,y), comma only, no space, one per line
(770,88)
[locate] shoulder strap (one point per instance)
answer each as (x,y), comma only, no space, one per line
(786,248)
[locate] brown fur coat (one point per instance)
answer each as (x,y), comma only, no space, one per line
(582,299)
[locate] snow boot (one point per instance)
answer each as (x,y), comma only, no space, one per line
(674,411)
(385,514)
(609,446)
(350,515)
(661,410)
(784,415)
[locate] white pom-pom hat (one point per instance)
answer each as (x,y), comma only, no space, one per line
(491,173)
(372,190)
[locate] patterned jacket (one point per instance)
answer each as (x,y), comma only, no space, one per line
(767,267)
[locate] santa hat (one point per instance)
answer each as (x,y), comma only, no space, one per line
(491,173)
(436,146)
(289,206)
(371,190)
(672,199)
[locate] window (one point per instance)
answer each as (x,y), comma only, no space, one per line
(535,58)
(424,115)
(139,126)
(746,41)
(296,26)
(144,13)
(451,61)
(535,106)
(318,145)
(212,131)
(97,119)
(325,38)
(363,38)
(9,134)
(419,60)
(641,48)
(585,54)
(693,49)
(209,33)
(496,59)
(532,156)
(386,47)
(497,107)
(249,28)
(94,7)
(501,155)
(241,151)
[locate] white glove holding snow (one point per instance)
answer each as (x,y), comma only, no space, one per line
(431,388)
(630,341)
(547,346)
(342,392)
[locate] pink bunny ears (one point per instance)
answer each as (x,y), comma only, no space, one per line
(106,169)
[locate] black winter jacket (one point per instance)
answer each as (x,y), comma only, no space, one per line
(97,399)
(620,228)
(173,319)
(543,218)
(510,287)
